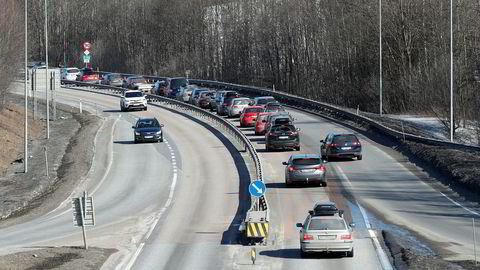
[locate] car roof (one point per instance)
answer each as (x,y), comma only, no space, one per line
(328,217)
(342,133)
(296,156)
(265,97)
(241,98)
(132,91)
(146,118)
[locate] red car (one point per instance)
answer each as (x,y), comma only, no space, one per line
(249,116)
(261,123)
(88,75)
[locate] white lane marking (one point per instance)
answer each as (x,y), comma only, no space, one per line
(382,256)
(458,204)
(109,166)
(135,256)
(132,259)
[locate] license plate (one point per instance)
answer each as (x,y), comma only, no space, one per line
(283,137)
(148,137)
(327,237)
(308,170)
(346,148)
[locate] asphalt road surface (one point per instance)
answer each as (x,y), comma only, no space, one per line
(177,205)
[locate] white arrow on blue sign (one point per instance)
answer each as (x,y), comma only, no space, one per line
(257,188)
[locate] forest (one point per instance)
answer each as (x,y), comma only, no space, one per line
(323,50)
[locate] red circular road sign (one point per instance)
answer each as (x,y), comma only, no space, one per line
(87,46)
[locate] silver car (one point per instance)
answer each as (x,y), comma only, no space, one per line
(305,168)
(325,230)
(235,108)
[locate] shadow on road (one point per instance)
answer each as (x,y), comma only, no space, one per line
(124,142)
(294,253)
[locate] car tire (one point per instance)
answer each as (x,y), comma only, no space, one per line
(303,254)
(324,184)
(145,108)
(359,157)
(161,139)
(350,253)
(122,109)
(297,148)
(135,141)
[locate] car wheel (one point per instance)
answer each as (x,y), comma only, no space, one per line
(122,109)
(350,253)
(297,148)
(145,108)
(303,254)
(161,139)
(359,157)
(135,141)
(324,184)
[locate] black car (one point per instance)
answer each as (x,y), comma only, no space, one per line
(341,145)
(282,136)
(148,130)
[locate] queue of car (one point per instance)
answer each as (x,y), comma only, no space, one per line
(324,228)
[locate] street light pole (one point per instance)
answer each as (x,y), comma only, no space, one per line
(46,72)
(451,71)
(380,60)
(25,154)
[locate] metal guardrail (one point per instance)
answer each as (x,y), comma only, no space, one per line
(191,109)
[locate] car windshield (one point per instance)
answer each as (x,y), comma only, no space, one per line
(148,123)
(88,72)
(176,83)
(326,224)
(73,70)
(306,161)
(345,139)
(134,94)
(263,101)
(241,102)
(253,110)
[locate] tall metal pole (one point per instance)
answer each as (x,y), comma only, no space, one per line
(25,154)
(380,60)
(46,72)
(451,71)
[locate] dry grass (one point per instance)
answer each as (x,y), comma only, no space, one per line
(11,134)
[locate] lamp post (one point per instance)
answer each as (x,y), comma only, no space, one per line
(451,71)
(25,154)
(46,72)
(380,60)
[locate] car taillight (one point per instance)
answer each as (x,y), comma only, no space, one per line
(271,134)
(320,167)
(291,168)
(307,237)
(346,236)
(225,104)
(235,106)
(293,133)
(333,145)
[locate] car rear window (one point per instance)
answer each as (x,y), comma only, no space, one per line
(345,139)
(253,110)
(264,101)
(134,94)
(176,83)
(241,102)
(139,80)
(73,70)
(231,94)
(283,128)
(306,161)
(326,224)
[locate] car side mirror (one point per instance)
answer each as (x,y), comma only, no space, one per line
(299,225)
(352,225)
(322,141)
(325,161)
(284,163)
(162,125)
(340,212)
(310,212)
(298,129)
(133,126)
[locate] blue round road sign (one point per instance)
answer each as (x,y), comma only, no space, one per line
(257,188)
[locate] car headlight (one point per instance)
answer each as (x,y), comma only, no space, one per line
(137,133)
(159,132)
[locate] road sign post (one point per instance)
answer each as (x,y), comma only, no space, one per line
(83,214)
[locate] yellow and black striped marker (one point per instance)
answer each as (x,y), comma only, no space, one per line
(257,229)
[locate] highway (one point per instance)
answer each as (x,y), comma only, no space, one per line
(177,205)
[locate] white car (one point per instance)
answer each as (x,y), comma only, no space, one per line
(133,99)
(69,73)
